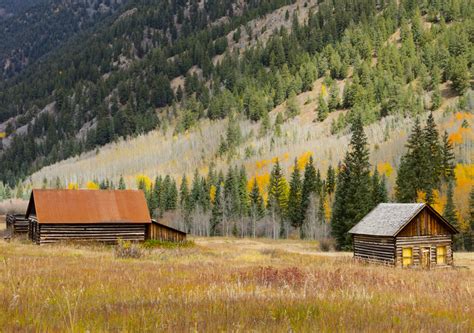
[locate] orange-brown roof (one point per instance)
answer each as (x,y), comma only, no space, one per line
(89,206)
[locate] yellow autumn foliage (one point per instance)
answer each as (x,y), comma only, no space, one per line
(263,180)
(438,201)
(212,193)
(327,210)
(90,185)
(145,180)
(72,186)
(324,90)
(385,168)
(303,159)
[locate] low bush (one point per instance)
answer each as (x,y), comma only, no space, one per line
(127,249)
(326,245)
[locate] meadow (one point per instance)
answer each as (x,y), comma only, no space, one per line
(225,284)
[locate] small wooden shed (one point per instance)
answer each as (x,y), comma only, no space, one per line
(404,235)
(163,232)
(16,224)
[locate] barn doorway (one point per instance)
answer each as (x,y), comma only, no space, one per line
(425,257)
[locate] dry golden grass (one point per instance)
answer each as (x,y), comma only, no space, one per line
(225,285)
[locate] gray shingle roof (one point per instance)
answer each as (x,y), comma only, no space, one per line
(387,219)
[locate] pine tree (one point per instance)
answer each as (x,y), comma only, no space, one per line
(172,196)
(243,193)
(256,209)
(217,212)
(449,212)
(352,202)
(308,189)
(340,214)
(184,202)
(433,151)
(121,185)
(330,180)
(411,172)
(231,193)
(323,109)
(278,196)
(378,189)
(447,159)
(294,198)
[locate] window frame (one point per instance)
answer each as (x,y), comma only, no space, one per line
(406,257)
(444,256)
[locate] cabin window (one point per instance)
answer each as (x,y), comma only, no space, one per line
(441,255)
(407,256)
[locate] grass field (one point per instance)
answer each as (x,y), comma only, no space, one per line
(225,285)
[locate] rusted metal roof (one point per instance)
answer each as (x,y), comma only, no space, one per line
(88,206)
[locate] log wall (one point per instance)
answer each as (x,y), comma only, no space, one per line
(16,224)
(106,233)
(417,243)
(374,249)
(162,232)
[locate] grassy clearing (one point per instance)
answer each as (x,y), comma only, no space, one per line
(225,285)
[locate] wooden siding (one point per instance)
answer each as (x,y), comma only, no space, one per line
(424,224)
(374,248)
(417,243)
(162,232)
(107,233)
(16,224)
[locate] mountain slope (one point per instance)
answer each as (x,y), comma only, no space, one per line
(32,29)
(124,82)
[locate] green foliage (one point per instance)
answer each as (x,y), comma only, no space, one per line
(278,196)
(292,107)
(323,109)
(352,200)
(217,212)
(294,197)
(449,212)
(154,243)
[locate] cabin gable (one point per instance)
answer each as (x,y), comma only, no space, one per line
(425,223)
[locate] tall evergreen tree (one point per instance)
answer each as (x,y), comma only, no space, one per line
(294,198)
(432,149)
(449,212)
(217,212)
(411,172)
(257,208)
(447,159)
(308,189)
(330,180)
(278,196)
(352,203)
(378,189)
(121,185)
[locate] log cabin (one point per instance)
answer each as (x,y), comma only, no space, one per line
(93,215)
(404,235)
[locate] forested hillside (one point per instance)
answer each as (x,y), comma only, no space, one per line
(231,105)
(32,29)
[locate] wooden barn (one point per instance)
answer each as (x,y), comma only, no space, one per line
(16,224)
(404,235)
(90,215)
